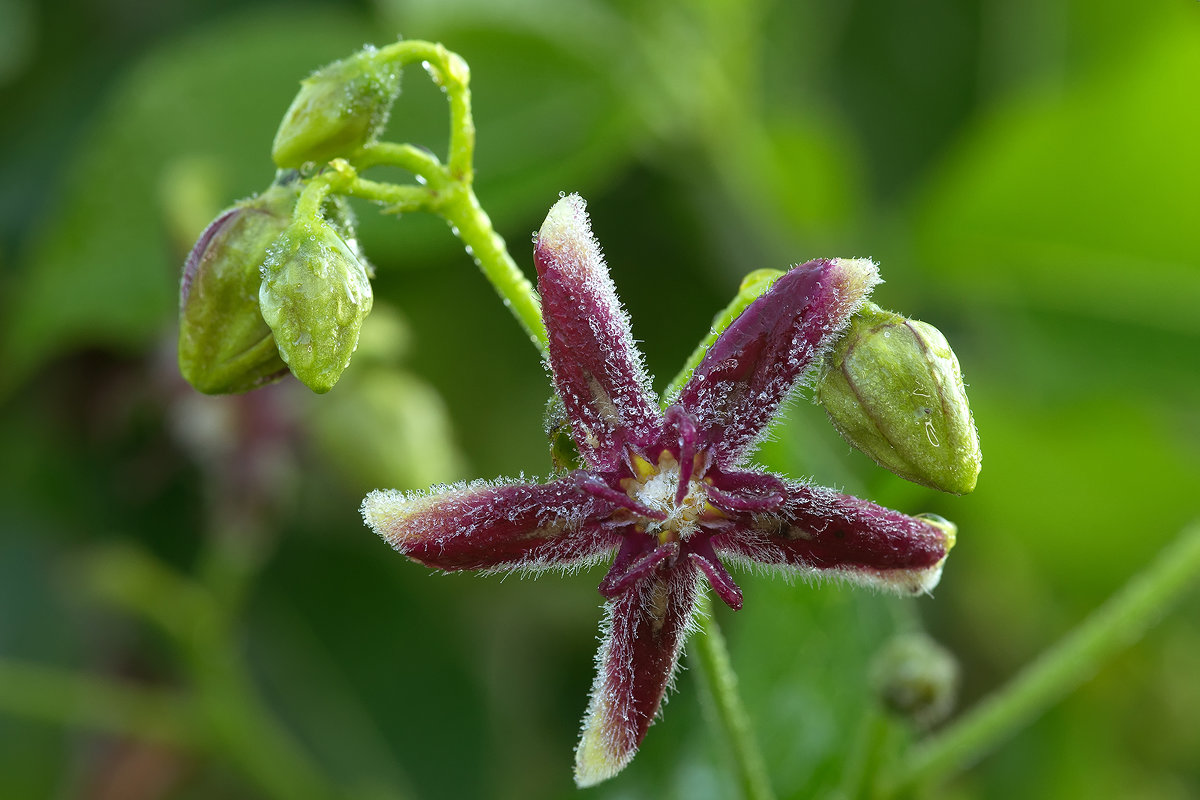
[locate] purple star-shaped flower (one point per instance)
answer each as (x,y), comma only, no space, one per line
(667,491)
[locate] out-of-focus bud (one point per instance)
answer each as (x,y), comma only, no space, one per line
(225,345)
(315,295)
(893,389)
(916,678)
(339,108)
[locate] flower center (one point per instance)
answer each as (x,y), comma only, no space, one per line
(657,488)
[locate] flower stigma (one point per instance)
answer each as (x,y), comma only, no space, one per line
(660,488)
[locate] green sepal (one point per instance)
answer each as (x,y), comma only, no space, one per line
(564,453)
(893,389)
(315,295)
(225,345)
(339,108)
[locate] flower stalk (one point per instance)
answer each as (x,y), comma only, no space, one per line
(1114,626)
(711,658)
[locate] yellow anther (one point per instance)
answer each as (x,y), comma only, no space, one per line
(642,467)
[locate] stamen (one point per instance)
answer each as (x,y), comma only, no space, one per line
(718,577)
(734,503)
(641,466)
(687,449)
(746,492)
(622,574)
(598,488)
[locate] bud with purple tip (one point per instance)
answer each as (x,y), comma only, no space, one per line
(225,346)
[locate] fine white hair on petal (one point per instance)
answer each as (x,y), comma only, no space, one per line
(385,510)
(567,237)
(596,757)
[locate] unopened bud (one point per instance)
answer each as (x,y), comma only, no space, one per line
(315,295)
(916,678)
(339,108)
(225,345)
(893,389)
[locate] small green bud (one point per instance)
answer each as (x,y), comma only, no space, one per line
(225,346)
(315,295)
(564,454)
(339,108)
(916,678)
(893,389)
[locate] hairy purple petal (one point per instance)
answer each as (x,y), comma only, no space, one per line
(646,627)
(820,531)
(754,364)
(494,527)
(597,369)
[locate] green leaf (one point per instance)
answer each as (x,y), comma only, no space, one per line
(1081,200)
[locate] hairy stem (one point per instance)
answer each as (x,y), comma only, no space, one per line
(716,671)
(1112,627)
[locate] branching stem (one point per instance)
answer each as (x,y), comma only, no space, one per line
(1112,627)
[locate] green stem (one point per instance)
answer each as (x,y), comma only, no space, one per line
(1112,627)
(471,224)
(71,699)
(308,207)
(712,656)
(405,156)
(396,199)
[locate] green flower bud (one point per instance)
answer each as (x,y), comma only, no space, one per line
(916,678)
(893,389)
(225,345)
(315,295)
(339,108)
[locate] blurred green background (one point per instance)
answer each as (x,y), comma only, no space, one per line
(1027,173)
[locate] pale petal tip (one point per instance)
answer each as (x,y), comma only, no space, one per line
(384,510)
(856,277)
(595,759)
(565,239)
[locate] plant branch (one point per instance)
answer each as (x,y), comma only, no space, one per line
(1112,627)
(471,224)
